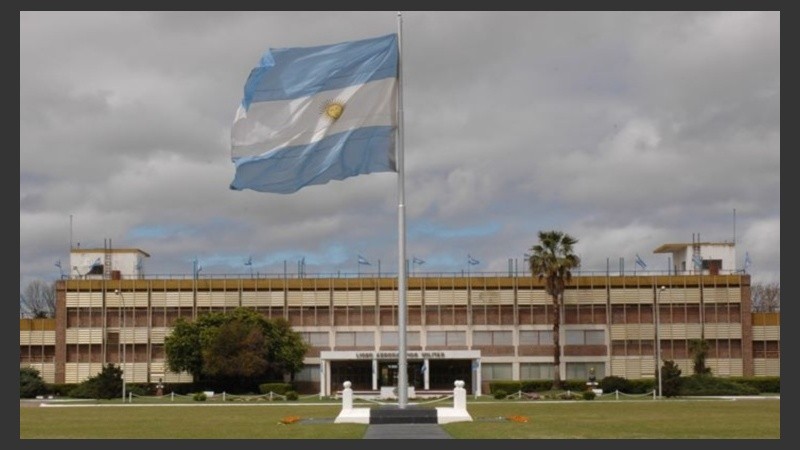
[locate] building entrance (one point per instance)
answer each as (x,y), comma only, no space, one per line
(445,372)
(388,374)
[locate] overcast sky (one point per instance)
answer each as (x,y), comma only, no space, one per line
(625,130)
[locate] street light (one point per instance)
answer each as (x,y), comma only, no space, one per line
(658,339)
(117,292)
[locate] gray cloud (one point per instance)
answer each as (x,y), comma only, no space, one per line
(625,129)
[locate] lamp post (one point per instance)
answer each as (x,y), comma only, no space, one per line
(122,331)
(658,338)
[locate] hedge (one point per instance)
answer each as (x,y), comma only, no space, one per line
(763,384)
(278,388)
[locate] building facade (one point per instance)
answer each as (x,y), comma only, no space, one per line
(475,328)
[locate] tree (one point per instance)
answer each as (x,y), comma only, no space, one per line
(30,383)
(552,259)
(766,297)
(670,379)
(106,384)
(699,351)
(240,346)
(38,300)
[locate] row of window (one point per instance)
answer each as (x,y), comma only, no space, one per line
(320,339)
(541,371)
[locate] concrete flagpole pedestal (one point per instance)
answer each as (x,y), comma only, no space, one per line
(393,414)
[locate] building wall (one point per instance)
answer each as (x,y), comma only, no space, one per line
(37,344)
(766,344)
(608,322)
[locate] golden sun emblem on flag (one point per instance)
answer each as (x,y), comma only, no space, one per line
(333,109)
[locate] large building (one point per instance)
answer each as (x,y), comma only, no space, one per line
(472,327)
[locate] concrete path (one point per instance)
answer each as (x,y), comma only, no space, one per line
(406,431)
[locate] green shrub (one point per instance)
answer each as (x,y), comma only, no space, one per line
(30,383)
(573,385)
(60,389)
(107,384)
(500,394)
(763,384)
(569,395)
(641,386)
(708,385)
(589,395)
(670,379)
(139,389)
(278,388)
(200,397)
(505,385)
(536,385)
(613,383)
(292,395)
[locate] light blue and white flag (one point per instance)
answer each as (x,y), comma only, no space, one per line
(472,261)
(640,263)
(249,261)
(747,261)
(418,261)
(315,114)
(362,260)
(698,260)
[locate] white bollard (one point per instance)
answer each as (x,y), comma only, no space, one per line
(459,396)
(347,396)
(172,396)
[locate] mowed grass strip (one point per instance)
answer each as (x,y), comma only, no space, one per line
(691,419)
(184,422)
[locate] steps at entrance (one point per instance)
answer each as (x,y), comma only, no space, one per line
(411,414)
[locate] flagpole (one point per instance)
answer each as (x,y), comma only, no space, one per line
(402,376)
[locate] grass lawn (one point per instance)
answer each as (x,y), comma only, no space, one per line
(691,419)
(713,419)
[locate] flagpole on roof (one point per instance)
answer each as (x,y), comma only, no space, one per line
(402,376)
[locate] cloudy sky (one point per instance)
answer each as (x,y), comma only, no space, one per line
(625,130)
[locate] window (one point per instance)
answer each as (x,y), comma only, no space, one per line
(446,338)
(491,338)
(317,339)
(391,338)
(355,339)
(536,371)
(308,373)
(709,263)
(580,371)
(365,339)
(585,337)
(495,371)
(536,337)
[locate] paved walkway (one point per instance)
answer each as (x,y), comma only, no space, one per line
(406,431)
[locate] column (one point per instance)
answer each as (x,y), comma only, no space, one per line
(322,378)
(426,374)
(374,374)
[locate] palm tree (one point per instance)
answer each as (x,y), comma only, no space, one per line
(552,259)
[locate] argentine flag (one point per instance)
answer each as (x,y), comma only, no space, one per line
(315,114)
